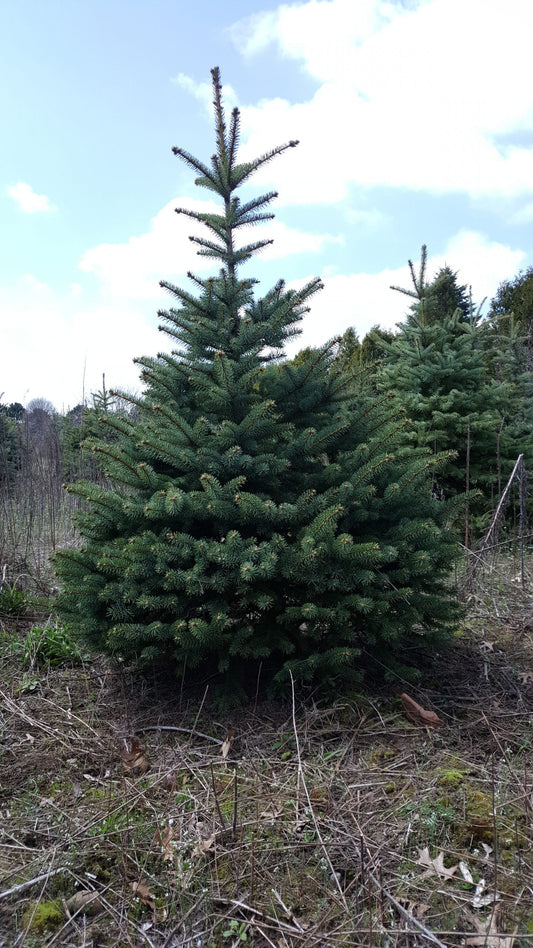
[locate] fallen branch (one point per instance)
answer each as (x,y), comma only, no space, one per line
(27,885)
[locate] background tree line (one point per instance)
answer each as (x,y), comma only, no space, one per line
(41,449)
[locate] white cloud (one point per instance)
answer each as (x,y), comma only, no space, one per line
(289,242)
(58,347)
(524,215)
(310,31)
(132,270)
(425,98)
(28,201)
(372,219)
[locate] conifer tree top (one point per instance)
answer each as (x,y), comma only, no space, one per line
(233,322)
(223,177)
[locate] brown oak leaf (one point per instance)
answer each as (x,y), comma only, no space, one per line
(436,865)
(206,844)
(141,890)
(133,758)
(165,840)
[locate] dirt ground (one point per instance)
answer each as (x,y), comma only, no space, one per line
(131,814)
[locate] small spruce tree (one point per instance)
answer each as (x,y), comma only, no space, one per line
(259,513)
(437,366)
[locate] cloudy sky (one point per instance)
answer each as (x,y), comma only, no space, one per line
(415,122)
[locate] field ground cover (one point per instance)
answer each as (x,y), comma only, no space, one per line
(132,814)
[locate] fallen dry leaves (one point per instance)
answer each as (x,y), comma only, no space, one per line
(142,891)
(418,715)
(165,840)
(435,865)
(486,646)
(226,744)
(488,935)
(133,757)
(206,844)
(481,901)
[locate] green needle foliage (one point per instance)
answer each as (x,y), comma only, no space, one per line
(437,366)
(258,514)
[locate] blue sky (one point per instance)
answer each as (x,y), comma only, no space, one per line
(415,120)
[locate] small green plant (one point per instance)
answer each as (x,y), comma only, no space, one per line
(109,825)
(12,600)
(29,682)
(236,930)
(434,817)
(48,644)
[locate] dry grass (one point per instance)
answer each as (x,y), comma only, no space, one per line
(129,818)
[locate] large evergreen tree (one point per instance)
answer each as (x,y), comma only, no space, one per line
(259,513)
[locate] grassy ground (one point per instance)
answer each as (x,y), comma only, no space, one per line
(132,815)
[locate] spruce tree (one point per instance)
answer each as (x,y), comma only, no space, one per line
(258,515)
(436,363)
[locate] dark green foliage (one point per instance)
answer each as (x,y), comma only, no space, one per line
(442,298)
(361,361)
(349,352)
(12,599)
(511,313)
(11,445)
(372,345)
(259,514)
(437,366)
(509,358)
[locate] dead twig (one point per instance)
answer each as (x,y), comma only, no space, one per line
(17,889)
(405,914)
(301,778)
